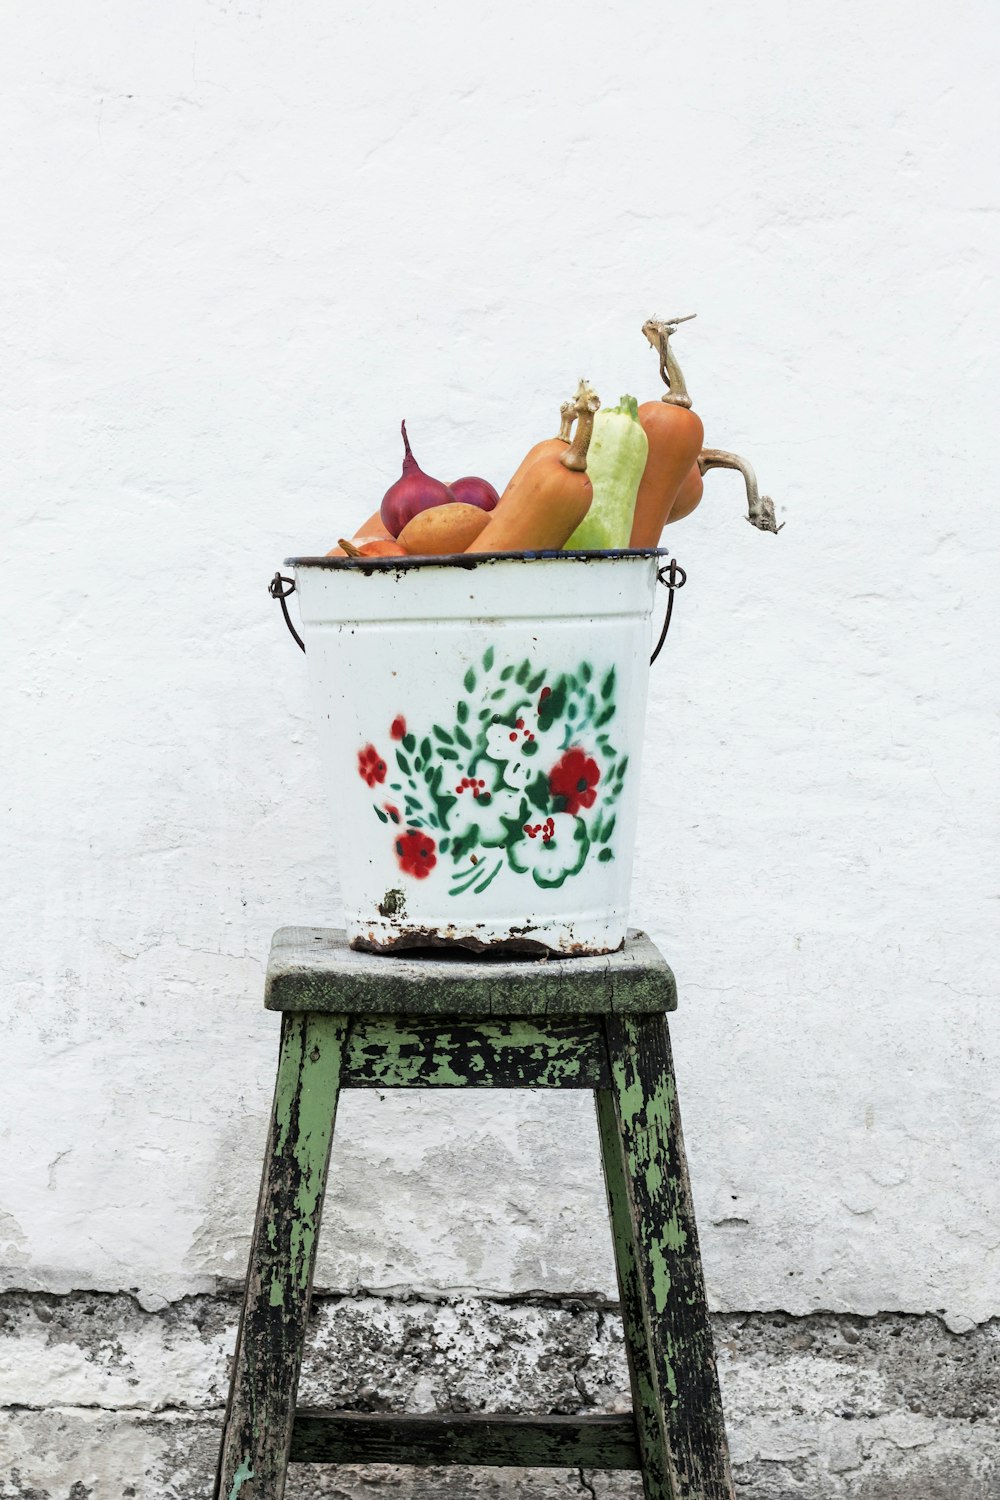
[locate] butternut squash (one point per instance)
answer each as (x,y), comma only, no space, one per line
(555,445)
(373,530)
(550,500)
(443,530)
(675,435)
(689,495)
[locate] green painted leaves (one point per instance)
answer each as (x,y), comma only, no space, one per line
(522,776)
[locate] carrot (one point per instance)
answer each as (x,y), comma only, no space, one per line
(551,498)
(556,445)
(675,435)
(443,530)
(689,495)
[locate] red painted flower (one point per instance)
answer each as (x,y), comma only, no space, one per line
(371,766)
(392,810)
(398,727)
(415,851)
(573,780)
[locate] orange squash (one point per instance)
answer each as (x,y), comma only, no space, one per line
(550,500)
(547,447)
(373,530)
(675,435)
(688,497)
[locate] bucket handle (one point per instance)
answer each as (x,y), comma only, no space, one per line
(672,578)
(279,588)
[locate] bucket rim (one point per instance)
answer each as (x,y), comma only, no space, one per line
(471,560)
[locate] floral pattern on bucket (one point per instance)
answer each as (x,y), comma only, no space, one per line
(525,775)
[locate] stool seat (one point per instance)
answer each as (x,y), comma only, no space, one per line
(312,968)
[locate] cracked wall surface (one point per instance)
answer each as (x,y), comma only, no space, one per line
(248,240)
(98,1393)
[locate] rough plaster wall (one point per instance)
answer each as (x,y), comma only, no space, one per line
(97,1393)
(246,240)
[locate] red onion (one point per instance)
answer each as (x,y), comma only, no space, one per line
(474,491)
(413,492)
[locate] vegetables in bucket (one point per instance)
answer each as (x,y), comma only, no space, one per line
(616,461)
(413,492)
(547,446)
(630,471)
(675,436)
(551,498)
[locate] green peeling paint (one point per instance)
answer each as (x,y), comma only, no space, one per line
(432,1042)
(243,1473)
(304,1112)
(649,1427)
(397,1053)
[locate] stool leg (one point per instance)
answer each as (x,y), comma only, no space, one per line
(253,1458)
(678,1407)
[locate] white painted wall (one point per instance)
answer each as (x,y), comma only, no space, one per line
(243,241)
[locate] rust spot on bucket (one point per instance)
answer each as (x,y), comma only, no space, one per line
(517,945)
(393,904)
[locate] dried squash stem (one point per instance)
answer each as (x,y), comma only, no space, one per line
(658,331)
(760,507)
(585,405)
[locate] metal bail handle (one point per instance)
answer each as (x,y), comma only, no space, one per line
(673,578)
(279,588)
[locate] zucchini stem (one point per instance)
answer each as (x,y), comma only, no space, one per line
(760,508)
(658,331)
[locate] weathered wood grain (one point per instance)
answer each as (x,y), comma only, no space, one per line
(648,1414)
(402,1052)
(361,1021)
(334,1437)
(268,1358)
(312,968)
(656,1243)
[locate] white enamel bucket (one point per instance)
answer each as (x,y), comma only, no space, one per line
(481,722)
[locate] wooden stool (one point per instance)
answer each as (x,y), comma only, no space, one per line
(353,1020)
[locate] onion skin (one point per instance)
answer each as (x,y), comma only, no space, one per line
(377,548)
(413,492)
(475,491)
(386,548)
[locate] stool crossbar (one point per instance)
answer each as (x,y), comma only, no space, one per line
(355,1020)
